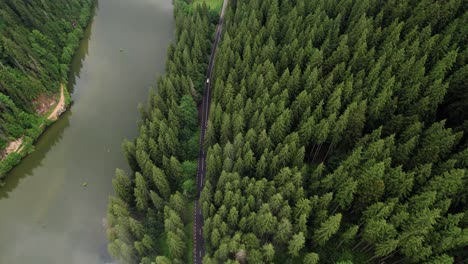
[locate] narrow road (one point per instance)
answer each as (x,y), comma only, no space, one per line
(199,243)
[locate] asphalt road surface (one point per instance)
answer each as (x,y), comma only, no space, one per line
(199,243)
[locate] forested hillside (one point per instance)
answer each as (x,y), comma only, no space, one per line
(336,134)
(37,42)
(150,218)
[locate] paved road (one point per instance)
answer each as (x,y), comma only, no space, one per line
(199,243)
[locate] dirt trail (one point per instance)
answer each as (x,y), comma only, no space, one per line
(60,107)
(15,146)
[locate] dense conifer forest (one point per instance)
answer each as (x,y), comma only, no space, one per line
(37,42)
(337,134)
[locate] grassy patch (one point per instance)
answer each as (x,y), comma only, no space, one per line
(189,243)
(162,245)
(213,4)
(188,230)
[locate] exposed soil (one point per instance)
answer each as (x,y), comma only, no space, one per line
(43,103)
(12,147)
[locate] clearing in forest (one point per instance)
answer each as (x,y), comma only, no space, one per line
(213,4)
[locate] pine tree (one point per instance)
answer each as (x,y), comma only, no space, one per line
(122,185)
(327,229)
(175,244)
(161,182)
(268,252)
(141,192)
(296,244)
(311,258)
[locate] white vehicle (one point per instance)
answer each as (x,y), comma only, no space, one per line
(208,80)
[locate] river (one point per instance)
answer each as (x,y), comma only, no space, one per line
(47,216)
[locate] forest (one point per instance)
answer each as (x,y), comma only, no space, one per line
(37,43)
(337,133)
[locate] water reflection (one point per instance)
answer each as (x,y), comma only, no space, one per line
(81,53)
(46,141)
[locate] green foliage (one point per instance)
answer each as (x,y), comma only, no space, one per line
(189,188)
(122,185)
(329,131)
(327,229)
(296,244)
(335,127)
(213,4)
(37,42)
(311,258)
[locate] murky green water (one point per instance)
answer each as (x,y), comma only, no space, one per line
(46,215)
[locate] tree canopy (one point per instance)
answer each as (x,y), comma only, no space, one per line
(337,131)
(336,134)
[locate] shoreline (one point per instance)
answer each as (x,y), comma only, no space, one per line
(21,147)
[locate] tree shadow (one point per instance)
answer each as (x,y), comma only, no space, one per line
(52,135)
(81,53)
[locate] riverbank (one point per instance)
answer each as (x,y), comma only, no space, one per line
(22,146)
(16,150)
(59,108)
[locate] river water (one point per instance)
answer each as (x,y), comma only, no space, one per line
(46,215)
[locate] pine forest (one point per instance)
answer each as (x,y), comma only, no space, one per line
(337,133)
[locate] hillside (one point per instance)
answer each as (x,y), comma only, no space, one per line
(37,42)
